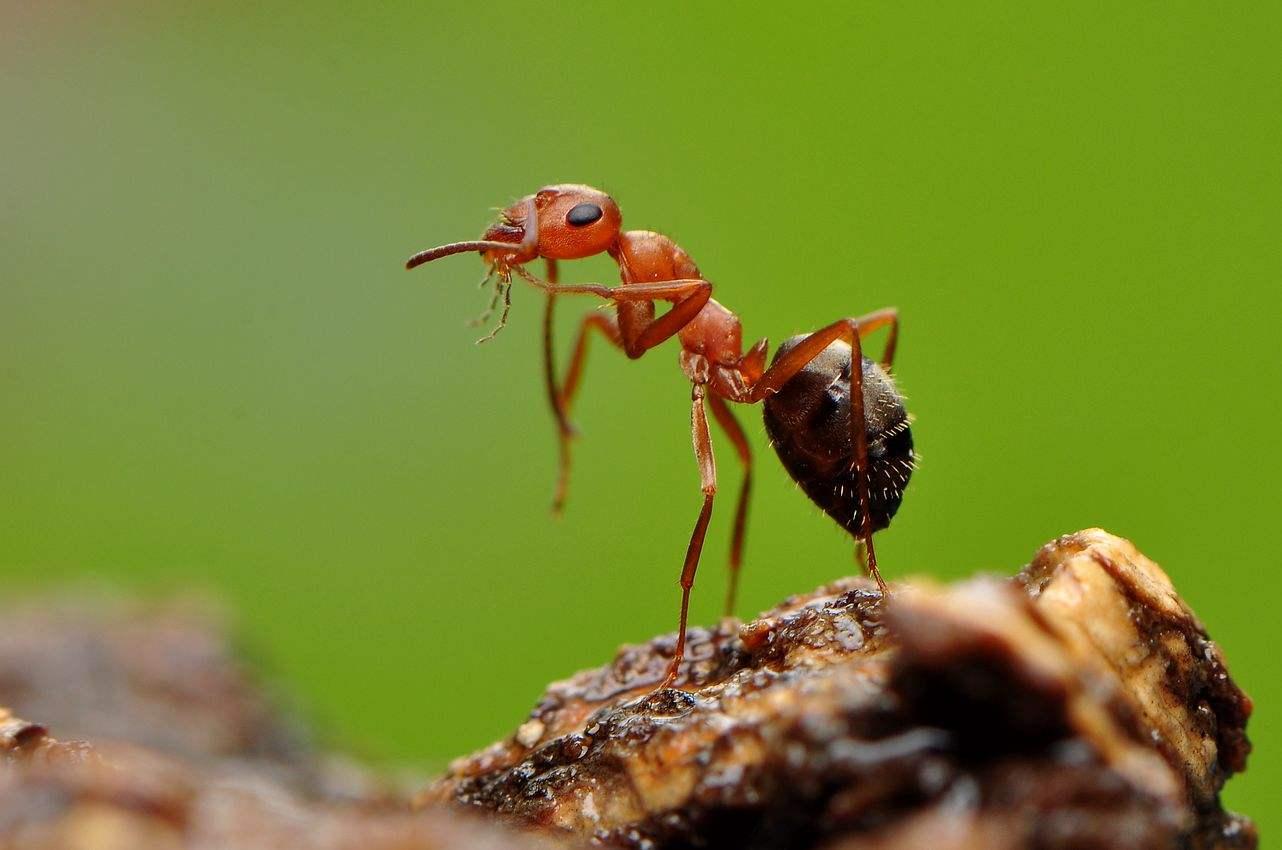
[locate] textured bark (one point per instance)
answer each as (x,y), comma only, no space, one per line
(186,750)
(1079,705)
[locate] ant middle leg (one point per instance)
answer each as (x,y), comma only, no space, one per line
(726,419)
(708,483)
(690,294)
(783,370)
(607,326)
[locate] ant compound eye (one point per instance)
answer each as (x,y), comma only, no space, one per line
(583,215)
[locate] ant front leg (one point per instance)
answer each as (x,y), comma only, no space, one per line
(726,419)
(549,357)
(564,429)
(708,482)
(798,357)
(690,295)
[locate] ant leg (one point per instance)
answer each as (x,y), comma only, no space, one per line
(670,323)
(563,427)
(494,301)
(609,328)
(729,424)
(708,481)
(549,354)
(608,325)
(886,317)
(793,362)
(506,289)
(690,294)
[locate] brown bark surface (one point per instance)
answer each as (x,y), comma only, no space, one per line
(1080,704)
(183,748)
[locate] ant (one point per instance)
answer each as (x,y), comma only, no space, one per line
(841,432)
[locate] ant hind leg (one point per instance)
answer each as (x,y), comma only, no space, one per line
(708,483)
(796,359)
(726,419)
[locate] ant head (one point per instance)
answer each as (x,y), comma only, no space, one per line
(574,221)
(570,222)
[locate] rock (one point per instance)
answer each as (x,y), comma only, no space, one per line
(1080,704)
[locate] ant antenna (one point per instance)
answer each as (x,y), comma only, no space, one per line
(480,245)
(529,240)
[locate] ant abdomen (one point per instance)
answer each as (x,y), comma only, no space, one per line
(808,422)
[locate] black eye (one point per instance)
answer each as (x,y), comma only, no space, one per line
(583,215)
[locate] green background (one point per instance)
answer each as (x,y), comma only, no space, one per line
(215,373)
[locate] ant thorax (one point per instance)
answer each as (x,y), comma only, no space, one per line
(645,256)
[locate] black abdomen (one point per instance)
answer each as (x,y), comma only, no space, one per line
(809,425)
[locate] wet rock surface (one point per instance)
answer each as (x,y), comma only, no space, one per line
(1080,704)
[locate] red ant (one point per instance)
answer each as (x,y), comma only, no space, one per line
(842,433)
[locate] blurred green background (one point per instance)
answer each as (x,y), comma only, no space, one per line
(214,371)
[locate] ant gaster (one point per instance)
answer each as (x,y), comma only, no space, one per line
(842,433)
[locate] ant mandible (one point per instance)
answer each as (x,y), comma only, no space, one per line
(842,433)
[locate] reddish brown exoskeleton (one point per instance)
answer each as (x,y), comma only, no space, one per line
(841,432)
